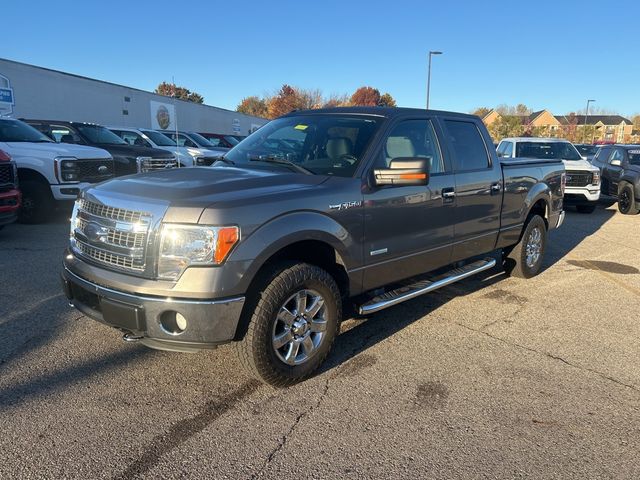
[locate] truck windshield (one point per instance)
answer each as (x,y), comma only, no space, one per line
(159,139)
(321,144)
(200,140)
(100,135)
(549,150)
(587,149)
(17,131)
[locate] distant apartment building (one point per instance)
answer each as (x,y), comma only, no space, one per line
(599,128)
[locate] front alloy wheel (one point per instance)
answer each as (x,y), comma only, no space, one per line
(295,314)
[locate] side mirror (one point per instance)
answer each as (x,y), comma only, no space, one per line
(616,163)
(404,171)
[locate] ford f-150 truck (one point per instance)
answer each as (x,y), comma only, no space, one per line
(620,170)
(315,213)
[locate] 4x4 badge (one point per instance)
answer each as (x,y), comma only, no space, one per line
(345,205)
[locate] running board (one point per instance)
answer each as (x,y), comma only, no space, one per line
(402,294)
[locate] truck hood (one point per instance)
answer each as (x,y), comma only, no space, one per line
(133,151)
(206,186)
(581,165)
(52,150)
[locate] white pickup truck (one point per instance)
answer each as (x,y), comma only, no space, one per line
(50,172)
(187,156)
(583,179)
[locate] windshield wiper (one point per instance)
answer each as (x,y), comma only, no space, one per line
(280,161)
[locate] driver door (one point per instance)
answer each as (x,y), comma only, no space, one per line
(408,229)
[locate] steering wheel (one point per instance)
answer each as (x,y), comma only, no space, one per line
(348,159)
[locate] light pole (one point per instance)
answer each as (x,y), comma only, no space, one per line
(586,115)
(429,75)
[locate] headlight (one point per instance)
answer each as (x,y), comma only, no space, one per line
(596,178)
(182,246)
(67,167)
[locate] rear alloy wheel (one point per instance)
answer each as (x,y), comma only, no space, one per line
(627,200)
(525,260)
(293,324)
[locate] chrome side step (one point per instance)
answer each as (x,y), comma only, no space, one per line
(402,294)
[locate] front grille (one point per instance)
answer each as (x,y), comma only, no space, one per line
(111,236)
(93,171)
(150,164)
(6,175)
(578,178)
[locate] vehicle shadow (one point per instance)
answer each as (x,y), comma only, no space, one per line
(370,331)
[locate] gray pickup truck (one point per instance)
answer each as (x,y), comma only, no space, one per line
(317,213)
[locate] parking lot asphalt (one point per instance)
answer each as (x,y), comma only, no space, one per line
(494,377)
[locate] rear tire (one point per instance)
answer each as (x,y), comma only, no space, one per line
(525,259)
(293,326)
(586,208)
(627,200)
(37,202)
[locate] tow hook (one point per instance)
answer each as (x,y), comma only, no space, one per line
(130,337)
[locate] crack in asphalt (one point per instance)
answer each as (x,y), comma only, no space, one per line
(292,429)
(552,356)
(184,429)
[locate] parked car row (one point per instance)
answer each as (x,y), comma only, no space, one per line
(56,159)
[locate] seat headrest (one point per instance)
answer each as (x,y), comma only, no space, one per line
(67,139)
(400,147)
(338,146)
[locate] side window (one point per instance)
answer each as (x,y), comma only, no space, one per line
(63,134)
(214,141)
(412,139)
(616,155)
(469,150)
(507,151)
(501,148)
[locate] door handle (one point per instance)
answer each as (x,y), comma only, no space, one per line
(496,188)
(448,195)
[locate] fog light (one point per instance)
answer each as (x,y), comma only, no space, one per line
(173,323)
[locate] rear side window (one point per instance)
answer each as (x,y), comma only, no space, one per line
(469,150)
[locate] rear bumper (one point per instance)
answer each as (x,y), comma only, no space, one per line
(208,322)
(9,205)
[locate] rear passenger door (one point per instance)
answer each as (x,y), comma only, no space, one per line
(478,190)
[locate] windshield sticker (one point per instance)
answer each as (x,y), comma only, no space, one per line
(301,127)
(634,152)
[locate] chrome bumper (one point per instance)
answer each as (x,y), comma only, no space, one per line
(144,318)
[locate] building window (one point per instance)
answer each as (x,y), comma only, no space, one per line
(125,112)
(127,99)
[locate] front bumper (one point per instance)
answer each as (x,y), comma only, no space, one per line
(69,191)
(9,206)
(143,317)
(582,195)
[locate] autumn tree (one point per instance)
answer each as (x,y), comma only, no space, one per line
(253,106)
(365,97)
(181,93)
(570,130)
(286,100)
(481,112)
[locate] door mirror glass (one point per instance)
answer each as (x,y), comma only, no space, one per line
(404,171)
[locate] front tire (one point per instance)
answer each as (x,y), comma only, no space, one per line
(293,326)
(37,202)
(586,208)
(525,259)
(627,200)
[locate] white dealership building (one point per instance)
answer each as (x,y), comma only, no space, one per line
(28,91)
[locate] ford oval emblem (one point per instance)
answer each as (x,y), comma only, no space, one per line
(103,169)
(94,232)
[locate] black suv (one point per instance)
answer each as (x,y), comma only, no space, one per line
(620,167)
(128,159)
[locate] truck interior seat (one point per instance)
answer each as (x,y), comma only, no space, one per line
(338,146)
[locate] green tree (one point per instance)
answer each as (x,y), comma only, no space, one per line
(181,93)
(253,106)
(386,100)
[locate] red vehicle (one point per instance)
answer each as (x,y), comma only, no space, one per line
(10,196)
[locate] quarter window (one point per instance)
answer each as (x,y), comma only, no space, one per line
(616,155)
(469,150)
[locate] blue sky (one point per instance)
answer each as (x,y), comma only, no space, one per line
(546,54)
